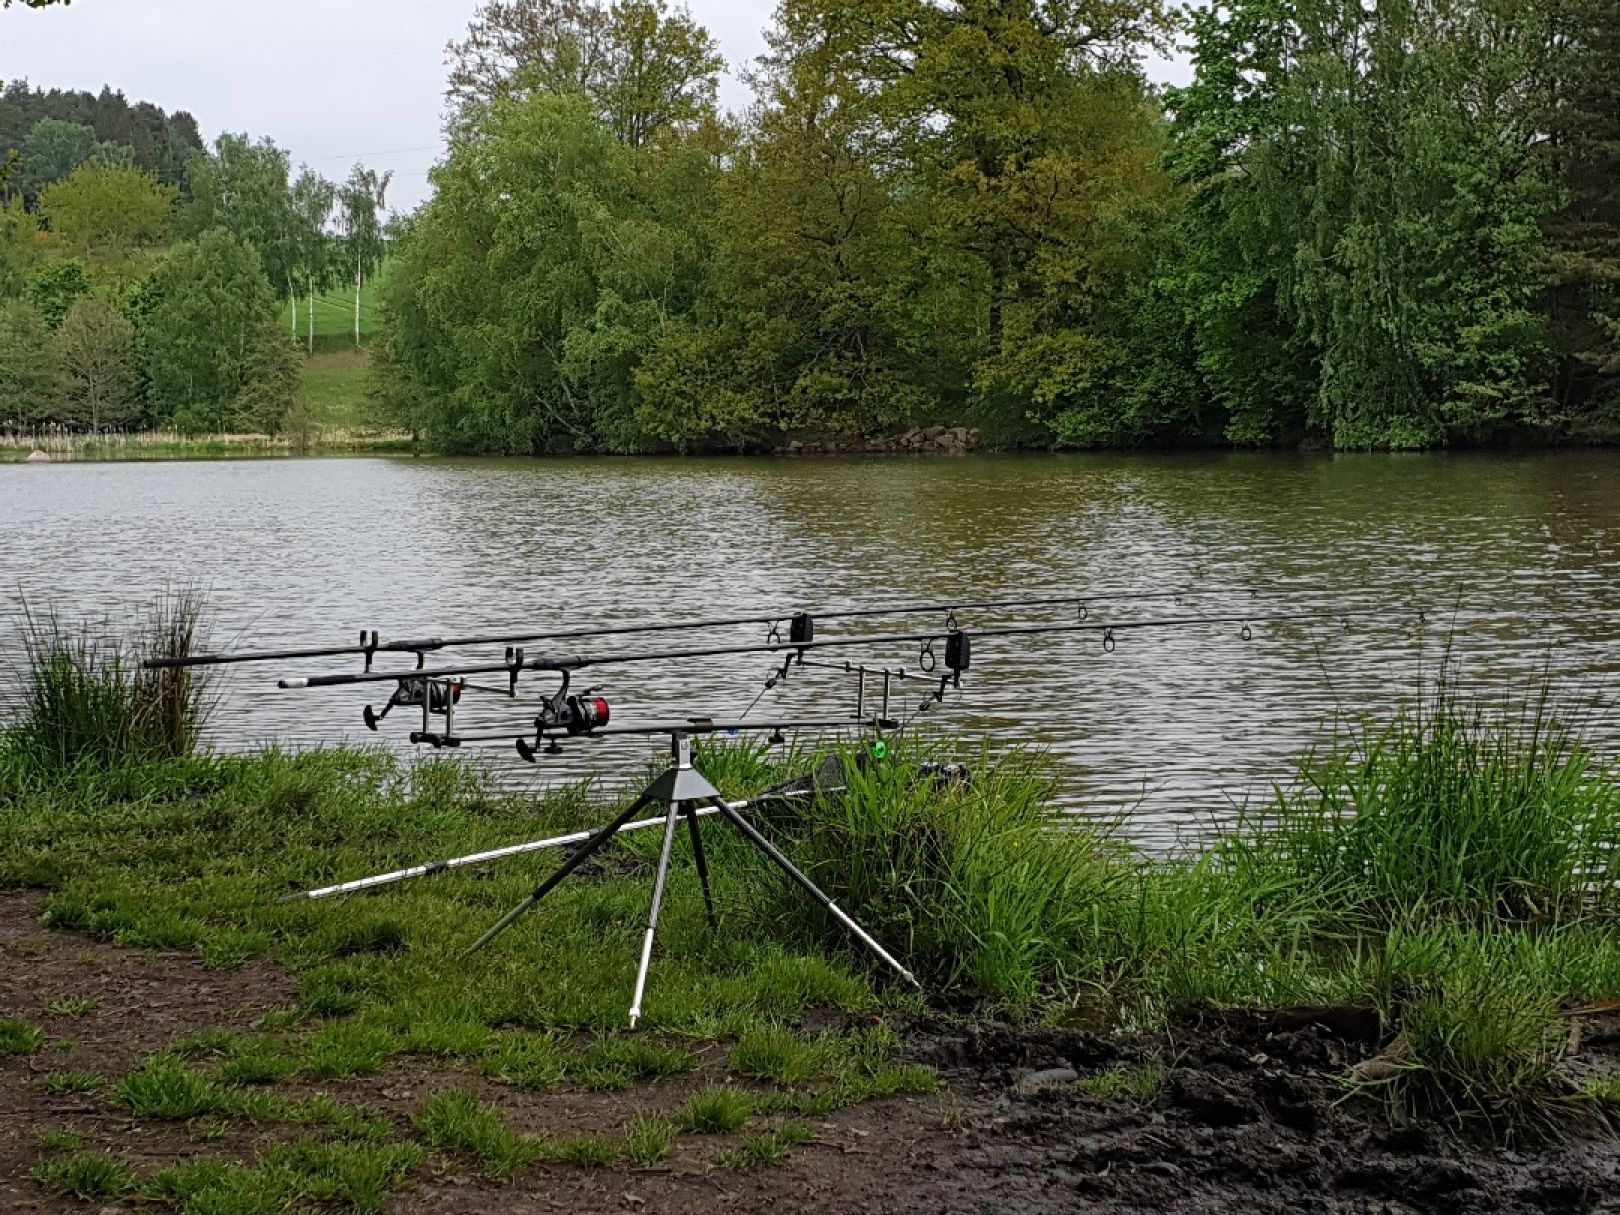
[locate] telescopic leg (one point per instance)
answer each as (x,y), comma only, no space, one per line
(701,860)
(810,888)
(652,916)
(572,863)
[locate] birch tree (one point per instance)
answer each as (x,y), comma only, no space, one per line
(361,201)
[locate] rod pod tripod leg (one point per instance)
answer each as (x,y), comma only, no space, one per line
(657,905)
(753,836)
(683,790)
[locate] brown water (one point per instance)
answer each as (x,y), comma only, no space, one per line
(1517,560)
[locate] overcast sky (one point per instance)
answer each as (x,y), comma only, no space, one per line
(334,81)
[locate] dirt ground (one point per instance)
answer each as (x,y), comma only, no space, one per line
(1252,1117)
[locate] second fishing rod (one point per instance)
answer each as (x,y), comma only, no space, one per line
(779,625)
(956,658)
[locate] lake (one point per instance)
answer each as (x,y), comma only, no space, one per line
(1515,558)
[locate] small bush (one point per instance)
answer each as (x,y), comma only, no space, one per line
(59,1084)
(757,1151)
(970,883)
(166,1088)
(647,1139)
(775,1053)
(614,1062)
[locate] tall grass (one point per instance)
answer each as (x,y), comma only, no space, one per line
(976,883)
(1449,810)
(84,699)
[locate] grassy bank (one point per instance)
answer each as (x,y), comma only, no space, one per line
(1451,874)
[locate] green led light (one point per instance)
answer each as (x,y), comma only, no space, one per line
(880,749)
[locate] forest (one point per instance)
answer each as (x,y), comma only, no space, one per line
(1357,227)
(1390,226)
(144,276)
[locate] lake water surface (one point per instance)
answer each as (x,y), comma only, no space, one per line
(1516,559)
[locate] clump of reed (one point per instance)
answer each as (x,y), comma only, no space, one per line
(975,882)
(1449,810)
(83,699)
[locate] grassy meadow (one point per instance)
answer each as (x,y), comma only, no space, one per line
(1451,872)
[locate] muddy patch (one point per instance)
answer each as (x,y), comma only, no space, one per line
(1251,1117)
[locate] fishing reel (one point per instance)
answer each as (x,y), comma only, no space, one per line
(573,715)
(435,697)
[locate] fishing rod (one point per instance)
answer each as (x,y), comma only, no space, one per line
(800,626)
(517,662)
(436,690)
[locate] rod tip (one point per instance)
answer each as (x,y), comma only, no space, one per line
(292,683)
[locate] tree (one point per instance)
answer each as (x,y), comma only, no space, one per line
(52,150)
(95,360)
(20,248)
(1582,115)
(242,187)
(507,280)
(27,376)
(107,215)
(313,199)
(643,68)
(155,140)
(55,286)
(206,318)
(361,200)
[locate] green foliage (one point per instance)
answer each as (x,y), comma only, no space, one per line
(771,1147)
(27,377)
(61,1083)
(156,141)
(969,882)
(1141,1084)
(94,355)
(107,214)
(457,1122)
(643,69)
(309,1174)
(212,352)
(52,151)
(647,1139)
(55,287)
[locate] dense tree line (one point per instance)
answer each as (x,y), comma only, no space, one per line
(1364,226)
(133,296)
(45,135)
